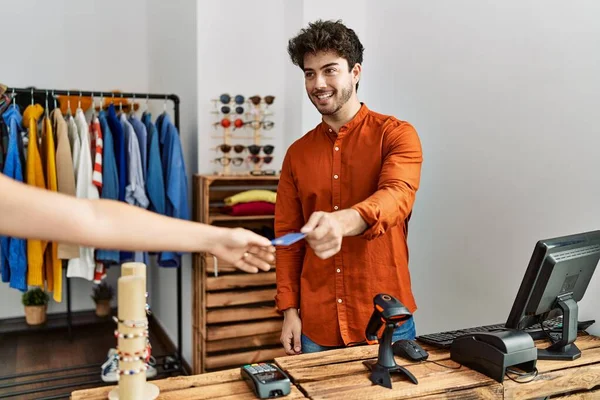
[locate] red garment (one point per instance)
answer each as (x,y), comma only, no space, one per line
(251,208)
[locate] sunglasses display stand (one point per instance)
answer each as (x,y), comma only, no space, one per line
(255,111)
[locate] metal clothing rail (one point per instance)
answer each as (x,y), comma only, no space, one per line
(49,93)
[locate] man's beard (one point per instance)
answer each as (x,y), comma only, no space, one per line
(345,96)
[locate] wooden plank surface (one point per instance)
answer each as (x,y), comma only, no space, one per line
(237,281)
(267,339)
(561,377)
(216,316)
(222,299)
(342,374)
(222,385)
(242,330)
(248,357)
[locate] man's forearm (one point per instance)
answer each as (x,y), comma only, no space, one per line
(351,221)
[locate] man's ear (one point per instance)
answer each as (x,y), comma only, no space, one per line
(356,73)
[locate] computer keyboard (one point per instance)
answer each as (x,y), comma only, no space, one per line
(445,339)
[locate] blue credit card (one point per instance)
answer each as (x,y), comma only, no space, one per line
(288,239)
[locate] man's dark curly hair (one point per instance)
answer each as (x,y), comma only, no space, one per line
(326,36)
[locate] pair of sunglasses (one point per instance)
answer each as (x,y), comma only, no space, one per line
(256,100)
(266,125)
(227,110)
(237,161)
(260,159)
(225,98)
(253,148)
(226,123)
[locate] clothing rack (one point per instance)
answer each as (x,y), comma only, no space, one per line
(49,93)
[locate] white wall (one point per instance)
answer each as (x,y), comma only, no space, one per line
(504,97)
(172,69)
(241,50)
(84,45)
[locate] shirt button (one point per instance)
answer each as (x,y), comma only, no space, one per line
(330,130)
(339,300)
(335,207)
(338,270)
(337,148)
(335,177)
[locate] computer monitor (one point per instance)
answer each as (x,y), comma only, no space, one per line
(557,277)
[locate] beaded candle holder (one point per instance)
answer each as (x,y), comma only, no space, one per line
(132,335)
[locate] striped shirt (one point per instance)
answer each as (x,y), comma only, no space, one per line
(97,145)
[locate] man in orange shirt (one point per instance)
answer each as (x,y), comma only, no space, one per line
(350,184)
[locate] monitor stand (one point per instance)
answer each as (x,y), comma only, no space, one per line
(564,349)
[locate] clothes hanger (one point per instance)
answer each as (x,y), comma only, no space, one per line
(46,109)
(69,103)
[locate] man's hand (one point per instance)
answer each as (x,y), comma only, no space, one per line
(291,332)
(326,230)
(244,249)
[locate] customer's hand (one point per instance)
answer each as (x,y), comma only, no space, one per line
(324,234)
(291,332)
(244,249)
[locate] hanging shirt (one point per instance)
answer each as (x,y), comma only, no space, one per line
(135,192)
(83,267)
(13,257)
(373,166)
(142,136)
(175,181)
(97,144)
(120,149)
(155,184)
(53,264)
(110,182)
(75,143)
(65,173)
(35,177)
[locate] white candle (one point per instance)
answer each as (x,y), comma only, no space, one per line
(132,307)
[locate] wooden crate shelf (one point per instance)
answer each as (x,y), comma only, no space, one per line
(234,316)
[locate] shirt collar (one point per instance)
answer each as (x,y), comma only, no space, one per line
(350,125)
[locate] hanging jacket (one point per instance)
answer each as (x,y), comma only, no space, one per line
(142,137)
(175,181)
(65,174)
(110,182)
(120,150)
(155,183)
(35,177)
(135,192)
(83,267)
(53,264)
(13,257)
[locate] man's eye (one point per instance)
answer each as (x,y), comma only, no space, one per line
(308,75)
(330,70)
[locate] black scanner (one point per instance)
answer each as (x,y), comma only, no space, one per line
(492,352)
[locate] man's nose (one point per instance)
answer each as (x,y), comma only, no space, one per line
(321,83)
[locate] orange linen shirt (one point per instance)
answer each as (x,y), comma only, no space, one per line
(372,165)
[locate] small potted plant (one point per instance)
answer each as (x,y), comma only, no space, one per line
(36,305)
(103,294)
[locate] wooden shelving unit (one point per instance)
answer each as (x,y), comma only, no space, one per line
(234,317)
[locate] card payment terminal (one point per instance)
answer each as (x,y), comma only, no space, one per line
(266,379)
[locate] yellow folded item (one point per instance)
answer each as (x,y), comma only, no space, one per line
(251,195)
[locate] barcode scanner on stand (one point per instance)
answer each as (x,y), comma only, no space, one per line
(389,311)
